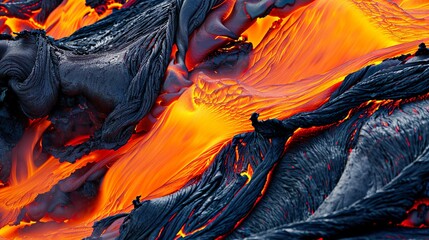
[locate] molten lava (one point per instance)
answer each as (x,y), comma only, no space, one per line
(297,63)
(70,16)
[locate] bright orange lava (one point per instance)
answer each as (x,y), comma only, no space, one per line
(70,16)
(294,68)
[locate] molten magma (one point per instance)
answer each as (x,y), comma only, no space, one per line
(295,67)
(70,16)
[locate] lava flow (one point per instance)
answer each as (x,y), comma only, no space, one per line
(297,62)
(68,17)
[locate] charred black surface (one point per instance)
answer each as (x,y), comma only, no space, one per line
(393,233)
(394,83)
(210,206)
(70,197)
(386,146)
(12,120)
(362,169)
(72,118)
(303,179)
(364,173)
(99,3)
(116,64)
(132,86)
(228,60)
(88,65)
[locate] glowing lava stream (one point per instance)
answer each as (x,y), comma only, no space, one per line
(294,69)
(70,16)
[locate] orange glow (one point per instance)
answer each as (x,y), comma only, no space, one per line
(182,234)
(406,222)
(70,16)
(23,161)
(257,31)
(294,68)
(248,173)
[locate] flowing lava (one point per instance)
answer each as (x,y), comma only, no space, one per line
(70,16)
(297,62)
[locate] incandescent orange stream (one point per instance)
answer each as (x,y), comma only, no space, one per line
(294,68)
(70,16)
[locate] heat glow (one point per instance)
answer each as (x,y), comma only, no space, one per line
(70,16)
(297,62)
